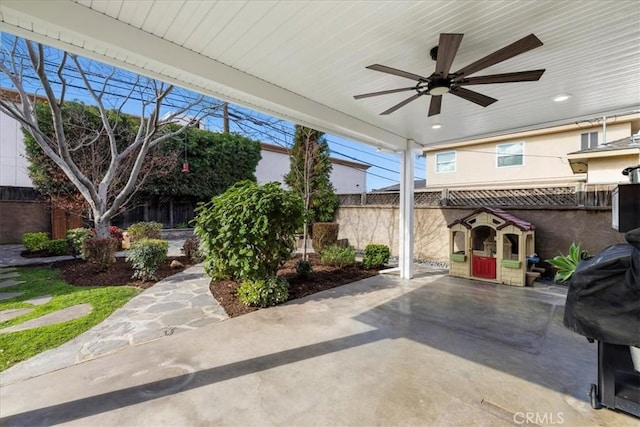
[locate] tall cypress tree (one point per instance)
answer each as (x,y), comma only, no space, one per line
(309,175)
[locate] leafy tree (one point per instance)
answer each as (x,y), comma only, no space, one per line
(309,177)
(249,231)
(216,161)
(82,123)
(106,190)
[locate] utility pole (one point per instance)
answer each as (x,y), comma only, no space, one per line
(225,116)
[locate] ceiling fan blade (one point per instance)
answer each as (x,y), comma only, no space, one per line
(447,49)
(520,76)
(384,92)
(472,96)
(435,105)
(521,46)
(396,72)
(400,105)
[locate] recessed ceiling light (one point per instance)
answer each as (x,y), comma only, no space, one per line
(436,126)
(562,97)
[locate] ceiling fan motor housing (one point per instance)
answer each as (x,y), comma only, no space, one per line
(438,86)
(442,81)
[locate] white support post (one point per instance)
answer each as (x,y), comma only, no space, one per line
(406,212)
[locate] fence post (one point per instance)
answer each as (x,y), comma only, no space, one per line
(444,197)
(580,194)
(363,199)
(171,219)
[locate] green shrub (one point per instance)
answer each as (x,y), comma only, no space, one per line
(100,250)
(57,247)
(304,269)
(338,257)
(35,242)
(75,241)
(146,255)
(263,292)
(191,249)
(249,231)
(566,264)
(375,256)
(144,230)
(324,234)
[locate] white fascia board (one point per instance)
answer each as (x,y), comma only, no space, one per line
(226,83)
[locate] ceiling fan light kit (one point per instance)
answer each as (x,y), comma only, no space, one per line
(442,81)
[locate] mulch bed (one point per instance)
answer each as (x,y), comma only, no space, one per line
(81,273)
(323,277)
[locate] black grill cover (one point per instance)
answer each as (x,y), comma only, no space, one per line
(603,301)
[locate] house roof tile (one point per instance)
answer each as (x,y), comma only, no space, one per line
(620,144)
(505,216)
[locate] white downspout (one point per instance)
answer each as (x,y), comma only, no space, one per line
(406,212)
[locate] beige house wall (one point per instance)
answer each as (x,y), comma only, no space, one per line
(555,230)
(545,159)
(601,170)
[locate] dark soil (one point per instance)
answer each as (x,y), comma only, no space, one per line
(323,277)
(81,273)
(38,254)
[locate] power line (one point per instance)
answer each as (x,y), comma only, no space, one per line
(359,160)
(108,82)
(112,79)
(285,145)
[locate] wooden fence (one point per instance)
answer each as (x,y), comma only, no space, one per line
(561,196)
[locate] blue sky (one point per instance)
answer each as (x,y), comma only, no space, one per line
(384,167)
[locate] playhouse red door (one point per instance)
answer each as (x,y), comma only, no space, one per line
(484,267)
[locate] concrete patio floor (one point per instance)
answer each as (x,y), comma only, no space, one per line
(432,351)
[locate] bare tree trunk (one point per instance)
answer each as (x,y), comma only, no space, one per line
(103,193)
(102,226)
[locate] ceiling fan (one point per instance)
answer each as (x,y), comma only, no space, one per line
(442,81)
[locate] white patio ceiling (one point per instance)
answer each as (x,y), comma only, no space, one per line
(304,60)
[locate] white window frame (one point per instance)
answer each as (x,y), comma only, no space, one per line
(591,142)
(454,161)
(498,155)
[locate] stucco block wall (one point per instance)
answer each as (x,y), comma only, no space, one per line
(17,218)
(365,225)
(556,229)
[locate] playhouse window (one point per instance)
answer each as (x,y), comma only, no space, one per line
(459,242)
(511,244)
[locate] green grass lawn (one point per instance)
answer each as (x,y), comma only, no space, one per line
(19,346)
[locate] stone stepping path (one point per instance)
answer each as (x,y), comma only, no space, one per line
(13,313)
(9,295)
(8,275)
(41,300)
(9,283)
(64,315)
